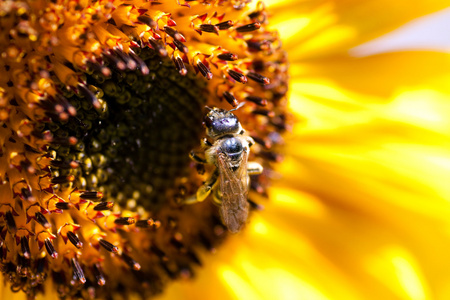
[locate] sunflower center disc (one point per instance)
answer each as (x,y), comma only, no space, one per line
(137,144)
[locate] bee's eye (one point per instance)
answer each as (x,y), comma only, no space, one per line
(208,121)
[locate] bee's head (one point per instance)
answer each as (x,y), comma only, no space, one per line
(221,122)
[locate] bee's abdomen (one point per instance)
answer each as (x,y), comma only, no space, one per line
(233,148)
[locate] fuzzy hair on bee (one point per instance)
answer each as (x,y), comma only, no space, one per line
(226,147)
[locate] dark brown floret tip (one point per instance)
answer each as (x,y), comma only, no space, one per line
(108,246)
(103,206)
(124,221)
(227,56)
(50,248)
(209,28)
(224,25)
(148,223)
(41,219)
(230,98)
(73,238)
(239,77)
(206,72)
(249,27)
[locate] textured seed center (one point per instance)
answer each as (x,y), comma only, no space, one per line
(136,145)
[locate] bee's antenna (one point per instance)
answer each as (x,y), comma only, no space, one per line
(209,108)
(237,107)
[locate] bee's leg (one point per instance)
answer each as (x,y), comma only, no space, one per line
(217,197)
(206,143)
(253,168)
(199,156)
(250,141)
(194,155)
(204,190)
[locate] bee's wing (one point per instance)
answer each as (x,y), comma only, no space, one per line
(233,185)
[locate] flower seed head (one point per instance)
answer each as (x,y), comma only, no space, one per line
(100,104)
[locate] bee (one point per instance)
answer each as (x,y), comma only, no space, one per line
(227,147)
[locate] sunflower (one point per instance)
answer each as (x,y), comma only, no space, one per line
(74,212)
(361,209)
(102,102)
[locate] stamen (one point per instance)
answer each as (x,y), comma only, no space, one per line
(264,112)
(148,223)
(42,220)
(131,64)
(25,247)
(227,56)
(50,249)
(180,65)
(64,164)
(249,27)
(105,71)
(209,28)
(239,77)
(26,165)
(206,72)
(131,262)
(254,15)
(95,196)
(98,274)
(63,205)
(147,20)
(257,100)
(73,238)
(158,252)
(65,103)
(174,34)
(115,61)
(78,271)
(180,46)
(22,265)
(40,265)
(230,98)
(157,46)
(103,206)
(124,221)
(225,25)
(108,246)
(265,143)
(63,179)
(89,95)
(254,205)
(64,141)
(26,194)
(259,45)
(258,78)
(142,65)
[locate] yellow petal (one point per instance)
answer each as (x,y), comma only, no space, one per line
(406,87)
(380,75)
(327,28)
